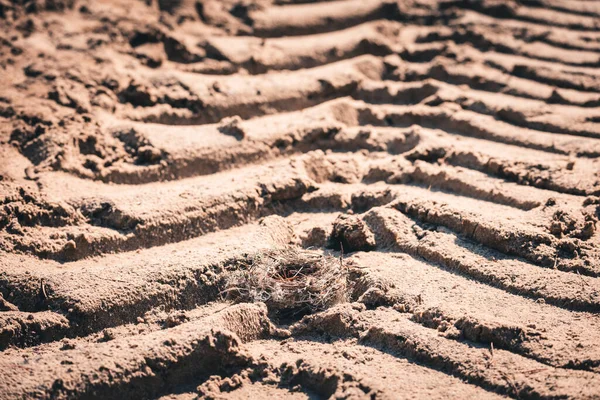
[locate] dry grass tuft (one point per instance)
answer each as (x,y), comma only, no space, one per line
(289,280)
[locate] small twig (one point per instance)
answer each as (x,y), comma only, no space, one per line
(491,356)
(43,289)
(581,277)
(230,290)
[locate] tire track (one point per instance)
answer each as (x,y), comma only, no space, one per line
(446,152)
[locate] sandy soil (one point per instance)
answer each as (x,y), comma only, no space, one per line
(447,153)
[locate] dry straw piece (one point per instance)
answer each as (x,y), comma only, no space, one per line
(290,280)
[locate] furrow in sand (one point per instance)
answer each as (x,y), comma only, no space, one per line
(544,170)
(531,32)
(517,235)
(455,252)
(560,175)
(462,309)
(507,62)
(200,150)
(458,255)
(98,293)
(347,125)
(581,79)
(538,15)
(302,19)
(522,112)
(547,72)
(586,8)
(460,181)
(482,77)
(180,98)
(485,39)
(503,372)
(332,172)
(378,38)
(121,218)
(539,236)
(456,120)
(347,369)
(550,76)
(142,366)
(258,56)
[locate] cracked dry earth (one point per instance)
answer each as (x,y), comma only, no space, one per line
(148,150)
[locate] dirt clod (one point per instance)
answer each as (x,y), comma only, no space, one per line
(232,126)
(351,234)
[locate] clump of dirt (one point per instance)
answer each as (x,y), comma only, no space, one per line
(75,144)
(427,153)
(26,209)
(351,234)
(72,95)
(289,281)
(138,94)
(175,319)
(231,126)
(104,213)
(315,237)
(576,225)
(139,148)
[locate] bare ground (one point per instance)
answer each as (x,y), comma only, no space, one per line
(438,160)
